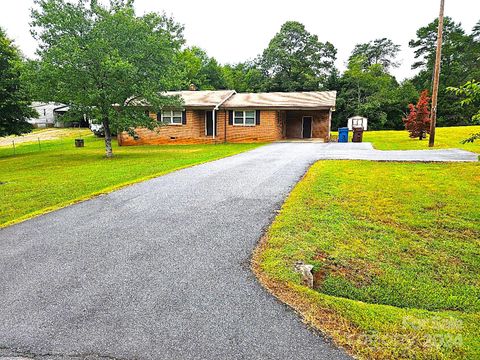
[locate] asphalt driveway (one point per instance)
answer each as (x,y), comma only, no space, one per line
(160,270)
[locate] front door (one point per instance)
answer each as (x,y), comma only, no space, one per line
(307,127)
(209,123)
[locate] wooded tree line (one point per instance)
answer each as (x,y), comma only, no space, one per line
(295,60)
(14,97)
(92,56)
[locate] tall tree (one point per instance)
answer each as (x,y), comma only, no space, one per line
(245,77)
(476,50)
(380,51)
(476,31)
(459,64)
(201,70)
(94,56)
(373,93)
(296,60)
(14,99)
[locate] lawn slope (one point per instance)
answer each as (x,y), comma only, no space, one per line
(445,137)
(396,255)
(36,180)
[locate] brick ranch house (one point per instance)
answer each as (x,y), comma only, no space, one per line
(227,116)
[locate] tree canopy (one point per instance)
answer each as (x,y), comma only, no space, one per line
(374,93)
(94,56)
(460,63)
(200,70)
(470,93)
(295,60)
(245,77)
(14,99)
(380,51)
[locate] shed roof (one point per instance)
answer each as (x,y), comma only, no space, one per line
(283,100)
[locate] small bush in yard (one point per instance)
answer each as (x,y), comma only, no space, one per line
(418,120)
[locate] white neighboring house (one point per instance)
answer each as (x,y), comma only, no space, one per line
(50,115)
(357,121)
(47,114)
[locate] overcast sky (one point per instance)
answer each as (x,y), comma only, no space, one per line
(234,31)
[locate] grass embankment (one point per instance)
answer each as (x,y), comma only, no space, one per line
(446,137)
(44,134)
(38,180)
(396,255)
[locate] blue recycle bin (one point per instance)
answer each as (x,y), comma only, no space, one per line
(343,135)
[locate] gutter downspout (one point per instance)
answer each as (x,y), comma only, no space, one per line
(225,126)
(214,123)
(216,108)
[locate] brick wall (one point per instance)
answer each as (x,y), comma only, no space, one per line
(270,128)
(274,125)
(320,123)
(294,126)
(193,132)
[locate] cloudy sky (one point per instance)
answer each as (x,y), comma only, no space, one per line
(234,31)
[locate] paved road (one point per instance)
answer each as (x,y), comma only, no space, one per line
(159,270)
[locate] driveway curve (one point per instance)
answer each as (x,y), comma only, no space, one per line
(158,270)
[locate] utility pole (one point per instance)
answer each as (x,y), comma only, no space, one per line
(436,76)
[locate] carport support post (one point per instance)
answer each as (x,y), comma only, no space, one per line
(329,124)
(436,76)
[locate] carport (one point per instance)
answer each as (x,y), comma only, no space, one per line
(306,124)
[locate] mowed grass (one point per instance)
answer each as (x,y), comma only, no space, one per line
(37,180)
(445,137)
(396,255)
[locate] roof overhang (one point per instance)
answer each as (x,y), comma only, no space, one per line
(229,99)
(280,108)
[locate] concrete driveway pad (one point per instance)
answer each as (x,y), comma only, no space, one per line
(160,269)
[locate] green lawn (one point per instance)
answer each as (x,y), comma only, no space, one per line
(396,255)
(446,137)
(37,180)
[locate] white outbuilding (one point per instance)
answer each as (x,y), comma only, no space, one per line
(47,114)
(357,121)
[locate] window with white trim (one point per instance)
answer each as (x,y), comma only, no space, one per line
(172,117)
(244,118)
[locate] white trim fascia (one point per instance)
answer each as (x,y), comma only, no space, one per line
(223,101)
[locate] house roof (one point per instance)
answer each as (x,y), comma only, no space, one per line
(63,108)
(283,100)
(205,98)
(229,99)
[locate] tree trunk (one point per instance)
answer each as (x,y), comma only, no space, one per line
(108,137)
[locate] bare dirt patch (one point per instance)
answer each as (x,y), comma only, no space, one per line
(42,135)
(356,271)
